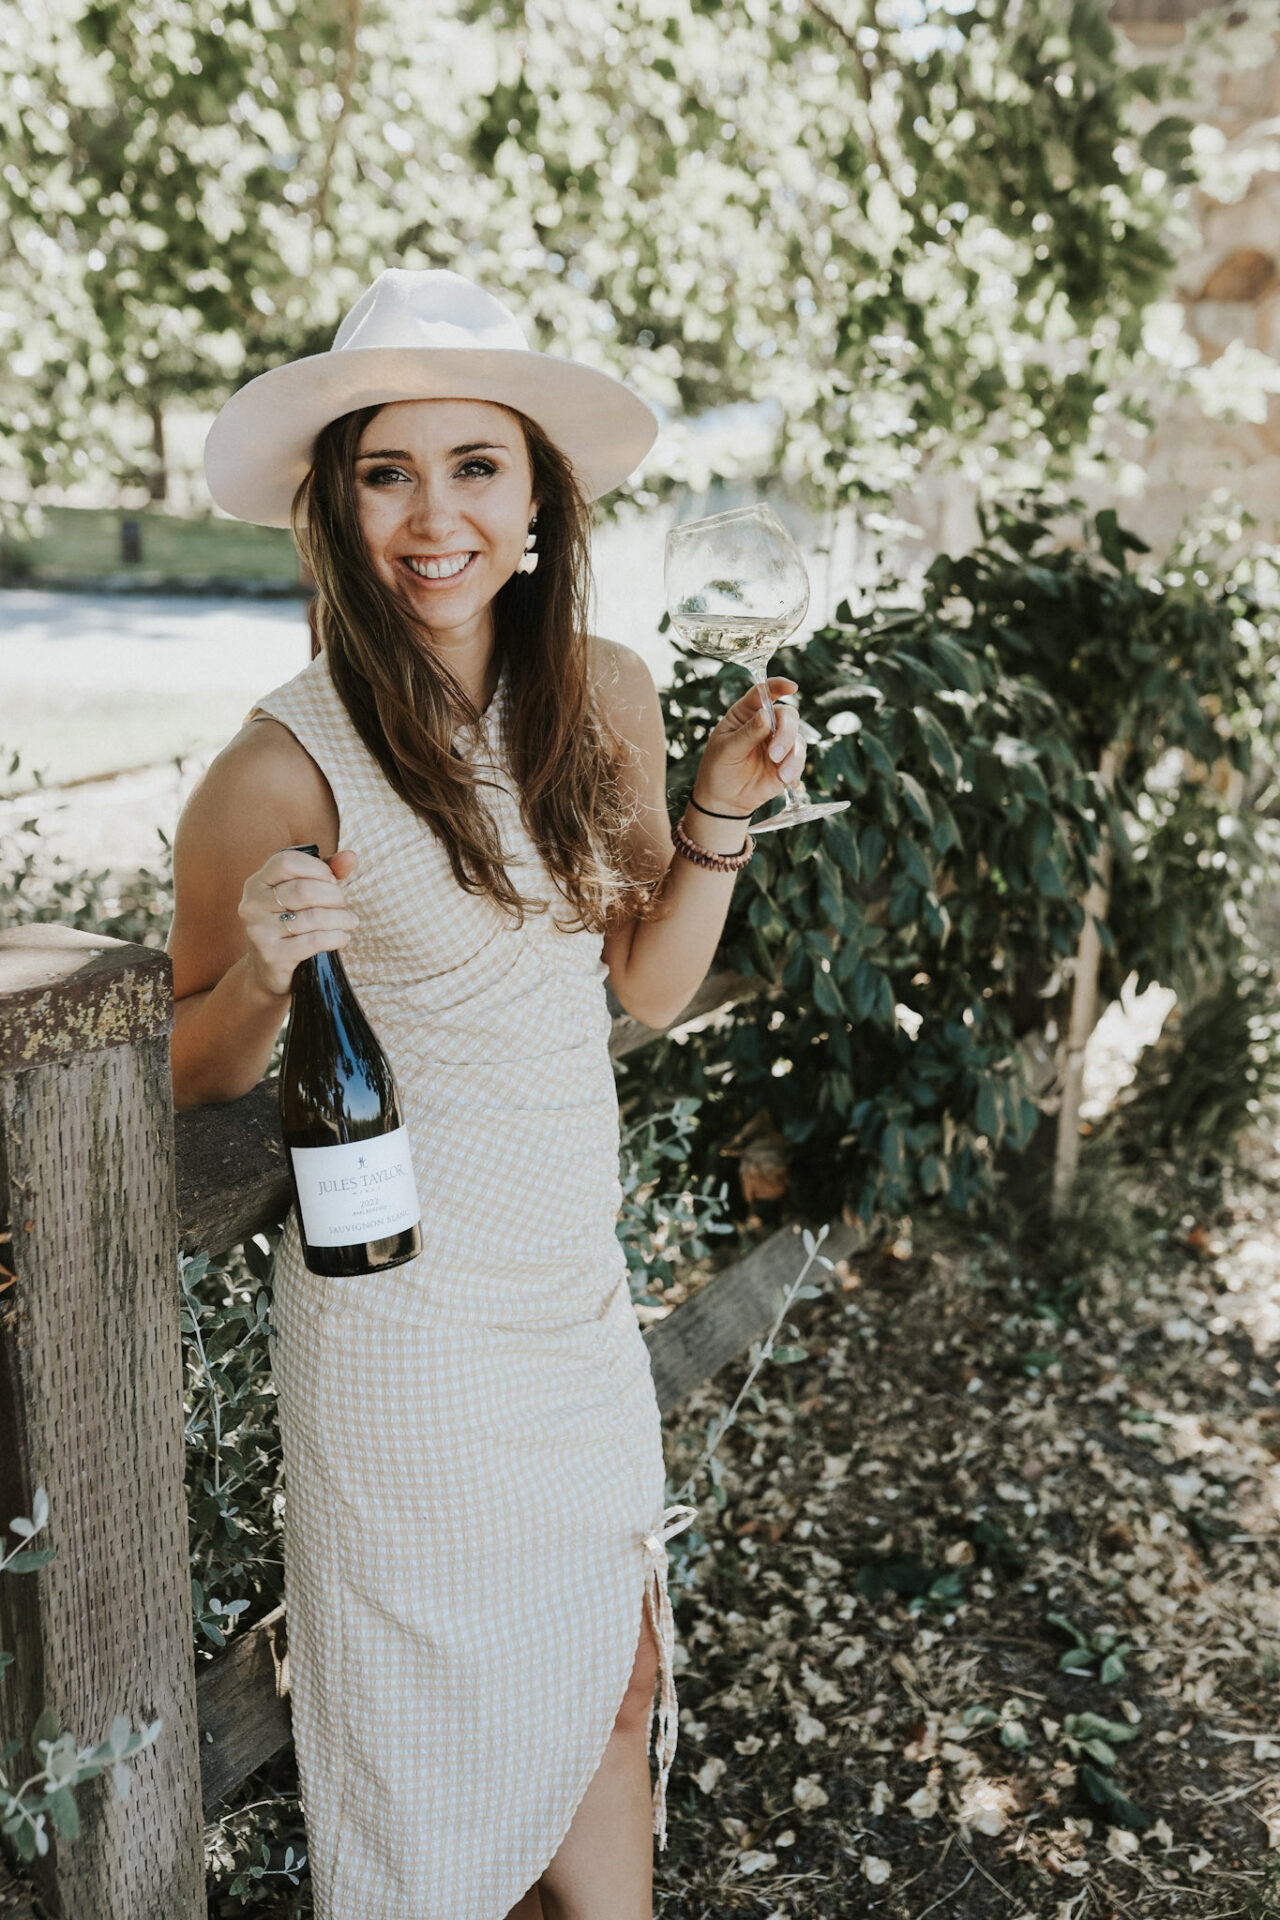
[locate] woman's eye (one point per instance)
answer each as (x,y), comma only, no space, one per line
(479,466)
(379,476)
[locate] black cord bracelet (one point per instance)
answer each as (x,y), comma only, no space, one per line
(717,816)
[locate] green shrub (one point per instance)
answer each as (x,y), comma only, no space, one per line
(914,941)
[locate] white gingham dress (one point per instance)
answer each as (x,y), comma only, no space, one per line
(473,1455)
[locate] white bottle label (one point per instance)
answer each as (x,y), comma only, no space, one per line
(351,1194)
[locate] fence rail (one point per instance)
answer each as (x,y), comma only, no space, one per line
(231,1171)
(102,1186)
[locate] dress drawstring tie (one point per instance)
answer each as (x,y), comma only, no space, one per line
(674,1521)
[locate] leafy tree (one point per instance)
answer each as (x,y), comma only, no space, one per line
(168,190)
(909,239)
(914,242)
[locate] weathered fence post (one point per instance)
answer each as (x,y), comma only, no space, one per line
(91,1406)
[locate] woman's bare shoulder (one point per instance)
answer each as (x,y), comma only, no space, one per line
(629,699)
(263,775)
(261,793)
(625,688)
(618,670)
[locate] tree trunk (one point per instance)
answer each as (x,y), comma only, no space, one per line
(158,485)
(1084,1005)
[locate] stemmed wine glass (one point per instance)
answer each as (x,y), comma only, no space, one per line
(736,587)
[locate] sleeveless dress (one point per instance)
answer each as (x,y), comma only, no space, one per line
(473,1460)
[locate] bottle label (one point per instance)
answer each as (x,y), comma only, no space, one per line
(352,1194)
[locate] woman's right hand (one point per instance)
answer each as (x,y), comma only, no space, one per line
(312,890)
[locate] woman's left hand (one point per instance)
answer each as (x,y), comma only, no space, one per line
(745,763)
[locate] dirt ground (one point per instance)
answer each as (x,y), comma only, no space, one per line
(1001,1450)
(988,1627)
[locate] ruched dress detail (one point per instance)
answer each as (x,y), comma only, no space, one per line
(474,1475)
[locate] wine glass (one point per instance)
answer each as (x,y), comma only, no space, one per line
(736,587)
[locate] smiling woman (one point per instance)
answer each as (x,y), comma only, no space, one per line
(429,502)
(475,1534)
(396,490)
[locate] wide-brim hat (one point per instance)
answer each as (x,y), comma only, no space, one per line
(418,335)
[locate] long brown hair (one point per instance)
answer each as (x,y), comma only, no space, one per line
(405,703)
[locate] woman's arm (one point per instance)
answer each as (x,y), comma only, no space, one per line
(656,965)
(233,958)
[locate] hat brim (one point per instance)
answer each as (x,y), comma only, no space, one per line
(260,446)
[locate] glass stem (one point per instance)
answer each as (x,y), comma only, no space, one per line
(793,798)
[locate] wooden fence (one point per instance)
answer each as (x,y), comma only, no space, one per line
(103,1190)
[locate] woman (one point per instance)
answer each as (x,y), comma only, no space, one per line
(475,1539)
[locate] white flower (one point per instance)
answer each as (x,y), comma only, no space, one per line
(881,1798)
(750,1744)
(708,1775)
(807,1793)
(755,1862)
(1121,1844)
(875,1870)
(808,1729)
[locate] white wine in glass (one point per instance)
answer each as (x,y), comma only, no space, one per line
(737,587)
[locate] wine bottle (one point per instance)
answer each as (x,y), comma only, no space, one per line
(344,1130)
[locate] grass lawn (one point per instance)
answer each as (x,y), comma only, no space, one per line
(83,543)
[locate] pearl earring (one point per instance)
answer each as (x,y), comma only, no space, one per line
(529,560)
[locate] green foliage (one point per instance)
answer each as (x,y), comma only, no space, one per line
(1097,1736)
(957,221)
(1009,1723)
(44,1794)
(922,1587)
(663,1227)
(1262,1902)
(1103,1650)
(916,940)
(1089,1738)
(246,1867)
(235,1498)
(38,887)
(1214,1071)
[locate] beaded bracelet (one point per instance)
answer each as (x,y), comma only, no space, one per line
(704,857)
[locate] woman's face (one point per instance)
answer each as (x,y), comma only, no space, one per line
(444,496)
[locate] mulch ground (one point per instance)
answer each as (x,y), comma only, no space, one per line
(993,1458)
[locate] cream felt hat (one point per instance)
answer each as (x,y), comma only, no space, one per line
(418,335)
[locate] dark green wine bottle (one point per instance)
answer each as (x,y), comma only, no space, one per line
(344,1130)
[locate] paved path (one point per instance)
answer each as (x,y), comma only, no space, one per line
(91,683)
(130,695)
(114,690)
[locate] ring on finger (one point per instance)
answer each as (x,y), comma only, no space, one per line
(287,916)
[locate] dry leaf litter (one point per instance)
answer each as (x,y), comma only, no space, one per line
(988,1624)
